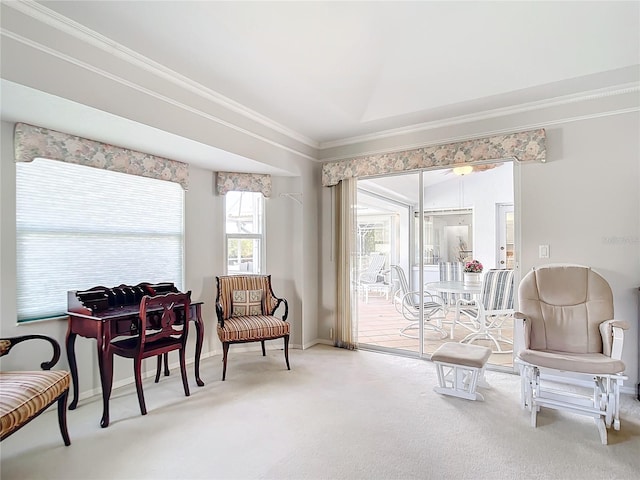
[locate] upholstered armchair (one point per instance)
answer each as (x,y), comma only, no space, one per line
(26,394)
(570,336)
(246,307)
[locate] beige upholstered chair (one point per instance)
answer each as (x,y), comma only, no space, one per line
(26,394)
(246,306)
(569,335)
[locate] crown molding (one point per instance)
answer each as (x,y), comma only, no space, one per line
(146,91)
(65,25)
(486,133)
(488,114)
(41,13)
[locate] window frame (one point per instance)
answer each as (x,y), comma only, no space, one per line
(261,237)
(28,228)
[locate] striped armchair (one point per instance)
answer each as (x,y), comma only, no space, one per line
(26,394)
(245,306)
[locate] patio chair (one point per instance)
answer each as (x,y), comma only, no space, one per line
(452,272)
(488,315)
(407,303)
(372,278)
(569,337)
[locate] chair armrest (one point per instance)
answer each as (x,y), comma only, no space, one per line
(524,330)
(219,314)
(8,343)
(612,332)
(286,307)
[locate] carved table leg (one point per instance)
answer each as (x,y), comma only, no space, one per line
(105,362)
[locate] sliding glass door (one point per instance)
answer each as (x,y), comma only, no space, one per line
(416,230)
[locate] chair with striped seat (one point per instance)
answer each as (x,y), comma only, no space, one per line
(26,394)
(491,311)
(245,307)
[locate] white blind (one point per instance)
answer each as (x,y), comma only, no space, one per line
(78,227)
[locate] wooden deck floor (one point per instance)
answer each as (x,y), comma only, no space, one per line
(379,324)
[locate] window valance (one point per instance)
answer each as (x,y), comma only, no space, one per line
(37,142)
(521,146)
(243,182)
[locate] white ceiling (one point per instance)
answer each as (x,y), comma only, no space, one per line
(331,72)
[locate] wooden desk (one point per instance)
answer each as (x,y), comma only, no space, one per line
(104,325)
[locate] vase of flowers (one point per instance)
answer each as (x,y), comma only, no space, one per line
(471,274)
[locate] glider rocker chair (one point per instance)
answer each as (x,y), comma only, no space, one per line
(407,303)
(26,394)
(246,306)
(570,336)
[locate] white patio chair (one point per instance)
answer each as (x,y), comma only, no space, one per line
(407,303)
(372,278)
(488,315)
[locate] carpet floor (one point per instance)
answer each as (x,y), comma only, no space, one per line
(336,415)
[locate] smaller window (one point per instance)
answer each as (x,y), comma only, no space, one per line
(244,229)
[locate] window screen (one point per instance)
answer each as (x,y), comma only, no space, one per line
(78,227)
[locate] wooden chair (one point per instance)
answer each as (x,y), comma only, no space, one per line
(163,327)
(245,306)
(27,394)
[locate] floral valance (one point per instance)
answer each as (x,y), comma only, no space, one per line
(243,182)
(521,146)
(36,142)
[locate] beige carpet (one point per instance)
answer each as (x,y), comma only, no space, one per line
(336,415)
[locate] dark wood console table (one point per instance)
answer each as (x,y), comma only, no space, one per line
(105,313)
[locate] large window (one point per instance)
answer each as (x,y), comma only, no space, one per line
(78,227)
(244,228)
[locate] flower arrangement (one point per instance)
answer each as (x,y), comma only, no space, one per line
(474,266)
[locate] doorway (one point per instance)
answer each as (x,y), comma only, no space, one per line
(418,221)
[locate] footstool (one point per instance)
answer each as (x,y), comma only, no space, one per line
(460,366)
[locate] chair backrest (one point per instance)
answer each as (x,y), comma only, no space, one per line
(452,272)
(402,278)
(164,316)
(376,264)
(565,305)
(227,284)
(497,290)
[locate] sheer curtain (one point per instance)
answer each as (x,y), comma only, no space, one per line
(346,328)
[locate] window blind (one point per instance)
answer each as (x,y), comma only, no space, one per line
(78,227)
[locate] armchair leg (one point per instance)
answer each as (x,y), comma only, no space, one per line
(286,351)
(225,351)
(62,417)
(264,352)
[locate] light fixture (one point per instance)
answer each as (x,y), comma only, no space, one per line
(463,170)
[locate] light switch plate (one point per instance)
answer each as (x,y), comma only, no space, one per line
(543,251)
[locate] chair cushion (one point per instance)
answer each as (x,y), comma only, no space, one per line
(462,354)
(246,302)
(23,395)
(251,328)
(592,363)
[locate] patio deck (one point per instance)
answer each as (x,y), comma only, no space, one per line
(379,324)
